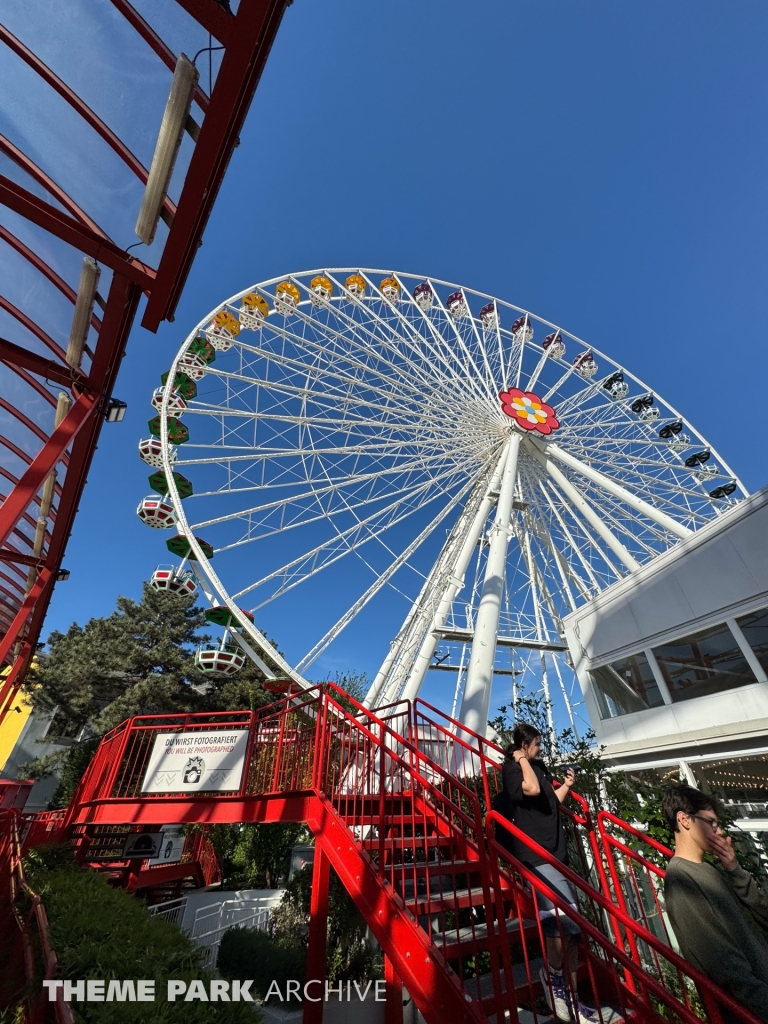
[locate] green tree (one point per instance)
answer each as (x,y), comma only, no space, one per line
(255,856)
(139,660)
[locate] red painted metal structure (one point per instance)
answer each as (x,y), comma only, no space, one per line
(417,848)
(57,223)
(27,934)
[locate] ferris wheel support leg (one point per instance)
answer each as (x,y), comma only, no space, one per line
(581,503)
(455,583)
(616,489)
(477,689)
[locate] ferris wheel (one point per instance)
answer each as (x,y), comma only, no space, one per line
(342,440)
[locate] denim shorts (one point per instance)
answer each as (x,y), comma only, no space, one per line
(553,921)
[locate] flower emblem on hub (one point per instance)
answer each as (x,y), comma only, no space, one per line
(528,411)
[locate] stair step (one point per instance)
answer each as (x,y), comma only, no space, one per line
(453,942)
(408,843)
(436,868)
(440,900)
(482,990)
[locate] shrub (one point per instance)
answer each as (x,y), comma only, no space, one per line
(248,953)
(105,933)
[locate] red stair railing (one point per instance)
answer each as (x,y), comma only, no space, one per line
(400,804)
(637,879)
(479,761)
(30,931)
(657,983)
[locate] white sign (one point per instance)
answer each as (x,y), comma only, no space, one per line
(196,762)
(172,845)
(142,844)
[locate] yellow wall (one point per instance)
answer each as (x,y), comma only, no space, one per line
(10,728)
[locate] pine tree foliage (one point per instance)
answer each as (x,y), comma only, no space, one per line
(137,661)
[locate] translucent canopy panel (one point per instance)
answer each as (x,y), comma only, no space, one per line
(117,122)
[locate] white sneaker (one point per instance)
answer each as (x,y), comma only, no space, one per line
(591,1015)
(557,995)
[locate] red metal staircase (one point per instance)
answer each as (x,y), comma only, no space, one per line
(398,803)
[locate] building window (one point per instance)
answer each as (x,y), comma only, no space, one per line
(706,662)
(625,686)
(755,629)
(740,783)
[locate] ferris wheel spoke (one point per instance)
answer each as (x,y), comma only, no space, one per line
(340,480)
(559,384)
(470,361)
(432,344)
(326,400)
(533,379)
(311,564)
(568,536)
(265,454)
(382,580)
(333,366)
(375,524)
(284,513)
(346,417)
(420,350)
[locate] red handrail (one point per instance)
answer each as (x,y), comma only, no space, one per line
(39,1008)
(711,994)
(419,827)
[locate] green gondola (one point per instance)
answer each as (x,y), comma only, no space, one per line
(158,482)
(180,546)
(183,384)
(222,616)
(203,348)
(177,432)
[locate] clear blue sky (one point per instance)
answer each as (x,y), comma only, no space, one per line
(602,164)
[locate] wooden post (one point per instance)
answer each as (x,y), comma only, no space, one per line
(318,935)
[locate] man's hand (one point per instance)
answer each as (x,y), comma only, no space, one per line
(569,778)
(722,847)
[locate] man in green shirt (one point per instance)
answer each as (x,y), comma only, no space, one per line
(720,916)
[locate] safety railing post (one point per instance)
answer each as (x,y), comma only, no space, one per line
(319,752)
(382,799)
(317,940)
(393,1008)
(279,750)
(248,754)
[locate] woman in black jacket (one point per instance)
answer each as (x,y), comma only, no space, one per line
(533,804)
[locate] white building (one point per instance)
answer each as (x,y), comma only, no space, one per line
(672,661)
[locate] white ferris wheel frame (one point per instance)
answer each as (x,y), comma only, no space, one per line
(447,577)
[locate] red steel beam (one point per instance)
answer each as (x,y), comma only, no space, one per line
(17,556)
(153,40)
(32,327)
(119,314)
(256,24)
(50,186)
(24,420)
(6,643)
(213,17)
(60,373)
(14,679)
(33,382)
(92,119)
(17,584)
(14,480)
(48,272)
(248,38)
(46,459)
(68,230)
